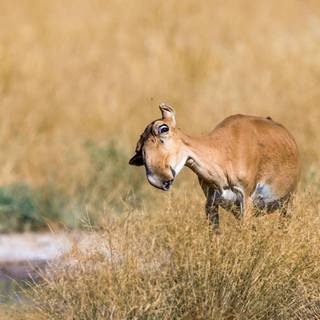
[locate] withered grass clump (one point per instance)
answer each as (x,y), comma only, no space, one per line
(171,265)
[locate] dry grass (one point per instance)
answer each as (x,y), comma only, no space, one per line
(73,71)
(170,265)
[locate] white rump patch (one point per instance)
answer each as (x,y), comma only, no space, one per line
(263,192)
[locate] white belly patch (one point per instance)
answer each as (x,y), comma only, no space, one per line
(263,197)
(230,198)
(229,195)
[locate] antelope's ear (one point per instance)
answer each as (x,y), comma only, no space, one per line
(137,159)
(168,113)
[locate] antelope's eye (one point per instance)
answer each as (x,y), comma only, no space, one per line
(163,129)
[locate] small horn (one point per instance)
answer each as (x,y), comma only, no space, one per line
(168,112)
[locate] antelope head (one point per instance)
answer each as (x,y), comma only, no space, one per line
(160,150)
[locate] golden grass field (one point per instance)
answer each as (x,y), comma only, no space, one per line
(80,80)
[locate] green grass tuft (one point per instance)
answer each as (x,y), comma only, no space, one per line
(24,208)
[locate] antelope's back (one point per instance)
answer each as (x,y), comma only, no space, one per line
(259,150)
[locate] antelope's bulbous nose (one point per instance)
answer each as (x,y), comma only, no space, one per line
(167,184)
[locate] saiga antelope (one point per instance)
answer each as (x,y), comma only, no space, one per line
(245,162)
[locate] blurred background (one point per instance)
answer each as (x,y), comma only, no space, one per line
(80,80)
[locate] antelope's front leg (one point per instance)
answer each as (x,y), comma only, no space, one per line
(212,211)
(212,208)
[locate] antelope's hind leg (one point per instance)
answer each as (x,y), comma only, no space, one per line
(265,201)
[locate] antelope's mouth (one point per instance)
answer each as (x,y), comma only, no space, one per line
(158,183)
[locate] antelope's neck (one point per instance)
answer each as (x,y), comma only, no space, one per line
(204,159)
